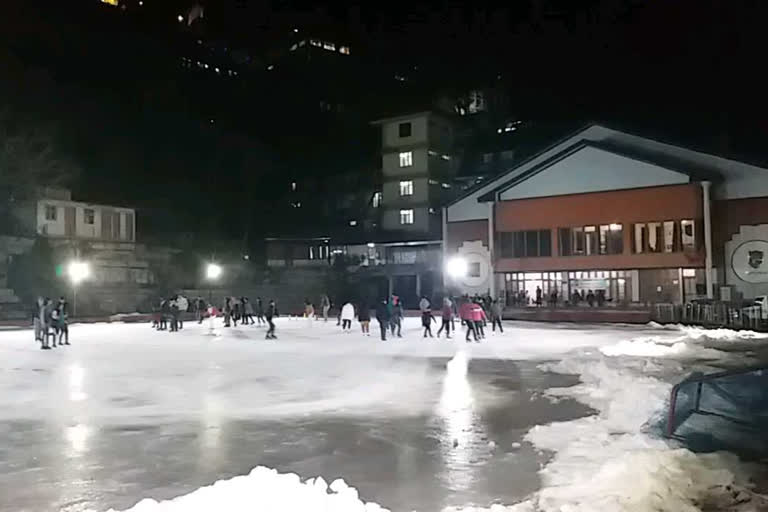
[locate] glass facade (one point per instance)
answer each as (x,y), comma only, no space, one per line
(614,285)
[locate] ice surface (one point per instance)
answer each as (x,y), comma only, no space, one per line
(608,462)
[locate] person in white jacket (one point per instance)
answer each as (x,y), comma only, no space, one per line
(347,315)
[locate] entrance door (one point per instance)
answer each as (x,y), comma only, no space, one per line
(70,229)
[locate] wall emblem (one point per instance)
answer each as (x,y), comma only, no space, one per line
(749,263)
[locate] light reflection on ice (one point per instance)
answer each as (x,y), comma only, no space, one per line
(77,436)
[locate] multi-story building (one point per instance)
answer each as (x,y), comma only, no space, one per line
(626,217)
(418,163)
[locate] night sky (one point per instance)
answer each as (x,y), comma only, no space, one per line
(211,153)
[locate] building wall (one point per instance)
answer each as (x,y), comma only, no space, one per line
(626,207)
(728,216)
(390,136)
(391,163)
(58,227)
(469,231)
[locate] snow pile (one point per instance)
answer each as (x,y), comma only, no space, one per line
(265,490)
(609,462)
(652,347)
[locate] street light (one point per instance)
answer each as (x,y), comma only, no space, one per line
(456,267)
(212,273)
(78,271)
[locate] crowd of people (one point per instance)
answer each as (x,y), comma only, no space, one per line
(474,313)
(51,322)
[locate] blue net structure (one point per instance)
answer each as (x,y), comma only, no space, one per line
(722,411)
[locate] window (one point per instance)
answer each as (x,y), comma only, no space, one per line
(329,46)
(611,239)
(564,241)
(687,235)
(404,129)
(641,238)
(526,244)
(508,154)
(406,188)
(50,212)
(377,199)
(344,50)
(89,216)
(406,159)
(474,269)
(353,223)
(406,217)
(487,158)
(315,42)
(669,236)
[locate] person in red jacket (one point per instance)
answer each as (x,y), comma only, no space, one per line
(447,313)
(479,319)
(466,313)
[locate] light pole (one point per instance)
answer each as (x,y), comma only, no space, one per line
(78,271)
(212,274)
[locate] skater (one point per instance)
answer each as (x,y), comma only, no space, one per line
(466,313)
(426,322)
(538,296)
(200,310)
(309,309)
(165,314)
(424,304)
(382,316)
(62,326)
(182,304)
(237,311)
(591,298)
(347,315)
(46,322)
(247,311)
(496,315)
(447,315)
(174,315)
(325,306)
(395,311)
(479,318)
(259,310)
(271,313)
(364,317)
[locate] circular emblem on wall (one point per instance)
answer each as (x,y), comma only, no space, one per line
(477,269)
(749,261)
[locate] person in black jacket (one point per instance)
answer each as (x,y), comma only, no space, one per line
(259,310)
(364,317)
(271,313)
(382,316)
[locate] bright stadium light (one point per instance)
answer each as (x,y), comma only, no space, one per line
(213,271)
(78,271)
(456,267)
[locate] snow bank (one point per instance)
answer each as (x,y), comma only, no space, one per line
(265,490)
(652,347)
(610,462)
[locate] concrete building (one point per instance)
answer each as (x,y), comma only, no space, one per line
(418,166)
(637,220)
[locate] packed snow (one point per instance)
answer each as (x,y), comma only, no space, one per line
(614,460)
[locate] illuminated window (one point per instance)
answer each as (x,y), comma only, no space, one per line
(110,2)
(406,159)
(406,188)
(315,42)
(344,50)
(89,216)
(353,223)
(293,186)
(406,217)
(377,199)
(293,48)
(50,212)
(329,46)
(302,43)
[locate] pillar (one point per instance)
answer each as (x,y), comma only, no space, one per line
(445,248)
(418,285)
(705,190)
(491,240)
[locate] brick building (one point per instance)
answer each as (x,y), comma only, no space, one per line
(604,210)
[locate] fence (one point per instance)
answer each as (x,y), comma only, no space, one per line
(716,314)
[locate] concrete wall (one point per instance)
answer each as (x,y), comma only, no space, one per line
(390,136)
(57,227)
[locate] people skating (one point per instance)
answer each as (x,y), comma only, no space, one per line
(165,314)
(383,317)
(395,310)
(47,322)
(538,296)
(228,312)
(347,315)
(260,311)
(62,326)
(496,310)
(200,310)
(467,317)
(447,317)
(247,311)
(182,304)
(271,314)
(426,322)
(364,317)
(174,315)
(591,298)
(424,304)
(325,306)
(309,309)
(479,319)
(237,311)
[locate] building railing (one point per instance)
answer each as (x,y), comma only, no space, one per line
(715,314)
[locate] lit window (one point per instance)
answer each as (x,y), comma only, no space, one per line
(302,43)
(329,46)
(180,18)
(445,157)
(687,235)
(406,159)
(270,67)
(315,42)
(344,50)
(110,2)
(404,129)
(217,70)
(433,182)
(689,272)
(293,48)
(445,185)
(50,212)
(406,217)
(89,216)
(353,223)
(377,199)
(406,188)
(432,210)
(293,186)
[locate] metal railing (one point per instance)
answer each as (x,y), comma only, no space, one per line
(716,314)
